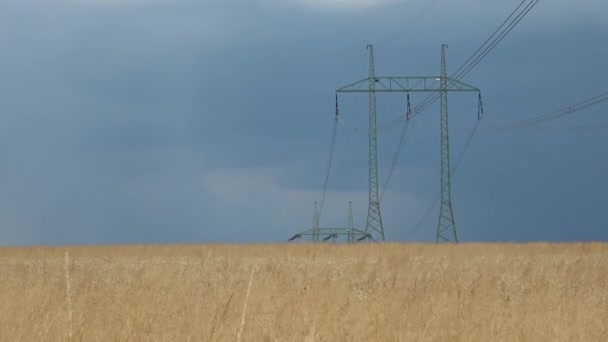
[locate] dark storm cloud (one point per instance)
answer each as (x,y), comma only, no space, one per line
(152,121)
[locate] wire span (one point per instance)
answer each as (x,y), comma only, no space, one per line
(514,18)
(411,23)
(535,121)
(399,146)
(476,58)
(329,160)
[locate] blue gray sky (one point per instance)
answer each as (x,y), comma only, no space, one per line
(151,121)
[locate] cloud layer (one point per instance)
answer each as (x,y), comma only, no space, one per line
(189,121)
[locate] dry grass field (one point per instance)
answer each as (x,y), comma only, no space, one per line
(393,292)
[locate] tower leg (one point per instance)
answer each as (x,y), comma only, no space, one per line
(446,227)
(374,218)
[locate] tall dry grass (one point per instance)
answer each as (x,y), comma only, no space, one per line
(535,292)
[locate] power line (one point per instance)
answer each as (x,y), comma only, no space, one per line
(461,73)
(399,145)
(491,36)
(596,127)
(535,121)
(330,157)
(407,27)
(497,36)
(395,158)
(411,23)
(466,145)
(329,160)
(475,59)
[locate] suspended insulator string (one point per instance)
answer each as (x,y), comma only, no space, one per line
(597,99)
(480,112)
(329,160)
(399,145)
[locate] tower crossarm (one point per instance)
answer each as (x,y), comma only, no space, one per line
(406,84)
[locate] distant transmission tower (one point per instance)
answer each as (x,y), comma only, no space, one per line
(446,231)
(333,234)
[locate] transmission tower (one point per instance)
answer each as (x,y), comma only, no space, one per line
(324,234)
(441,84)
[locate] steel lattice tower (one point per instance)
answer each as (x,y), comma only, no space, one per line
(441,84)
(323,234)
(446,227)
(374,217)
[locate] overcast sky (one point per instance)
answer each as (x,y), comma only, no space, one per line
(189,121)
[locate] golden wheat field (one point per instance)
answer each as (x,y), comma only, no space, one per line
(381,292)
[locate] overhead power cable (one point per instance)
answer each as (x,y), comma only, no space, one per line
(586,128)
(470,137)
(329,160)
(535,121)
(497,36)
(398,151)
(411,23)
(484,50)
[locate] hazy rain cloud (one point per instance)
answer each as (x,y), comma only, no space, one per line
(197,121)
